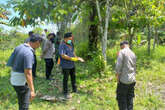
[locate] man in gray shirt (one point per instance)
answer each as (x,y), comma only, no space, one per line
(125,73)
(21,62)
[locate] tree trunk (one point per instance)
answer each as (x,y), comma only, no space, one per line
(149,39)
(104,38)
(105,31)
(131,35)
(155,39)
(100,18)
(93,29)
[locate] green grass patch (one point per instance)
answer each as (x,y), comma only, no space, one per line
(95,92)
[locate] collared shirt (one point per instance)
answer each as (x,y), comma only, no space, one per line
(22,58)
(64,49)
(126,66)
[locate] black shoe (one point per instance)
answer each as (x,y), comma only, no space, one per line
(50,79)
(74,91)
(67,96)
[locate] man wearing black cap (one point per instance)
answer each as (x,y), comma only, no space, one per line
(21,61)
(125,73)
(67,59)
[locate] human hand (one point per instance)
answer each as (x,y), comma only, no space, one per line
(41,56)
(80,59)
(32,95)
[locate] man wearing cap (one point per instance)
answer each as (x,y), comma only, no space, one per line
(67,58)
(125,73)
(21,61)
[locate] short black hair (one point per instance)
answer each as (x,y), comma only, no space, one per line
(58,33)
(52,34)
(124,42)
(30,33)
(68,34)
(35,38)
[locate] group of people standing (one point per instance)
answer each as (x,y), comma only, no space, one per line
(23,63)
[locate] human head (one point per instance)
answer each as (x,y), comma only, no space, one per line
(30,33)
(45,30)
(58,33)
(68,37)
(124,44)
(35,40)
(51,35)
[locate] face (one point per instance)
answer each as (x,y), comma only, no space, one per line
(37,44)
(69,38)
(121,47)
(49,37)
(72,37)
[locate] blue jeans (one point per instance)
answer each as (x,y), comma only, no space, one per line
(125,95)
(23,95)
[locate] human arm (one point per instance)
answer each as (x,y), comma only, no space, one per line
(29,79)
(66,57)
(28,64)
(63,54)
(46,46)
(117,77)
(119,65)
(79,58)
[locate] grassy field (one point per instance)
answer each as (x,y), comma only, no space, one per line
(95,93)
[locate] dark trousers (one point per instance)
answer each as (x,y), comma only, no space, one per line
(57,56)
(125,95)
(49,66)
(66,73)
(23,94)
(34,66)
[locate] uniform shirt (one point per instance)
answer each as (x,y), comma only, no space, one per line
(22,58)
(48,49)
(65,50)
(126,66)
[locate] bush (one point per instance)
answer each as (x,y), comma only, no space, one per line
(94,59)
(98,64)
(82,50)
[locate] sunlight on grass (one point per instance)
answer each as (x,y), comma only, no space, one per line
(95,93)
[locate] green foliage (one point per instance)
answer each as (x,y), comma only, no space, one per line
(95,93)
(4,38)
(97,62)
(38,30)
(82,50)
(138,39)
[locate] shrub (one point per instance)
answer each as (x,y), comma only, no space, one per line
(82,50)
(98,64)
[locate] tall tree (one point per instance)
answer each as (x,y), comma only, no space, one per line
(104,30)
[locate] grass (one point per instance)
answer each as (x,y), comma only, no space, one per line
(95,93)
